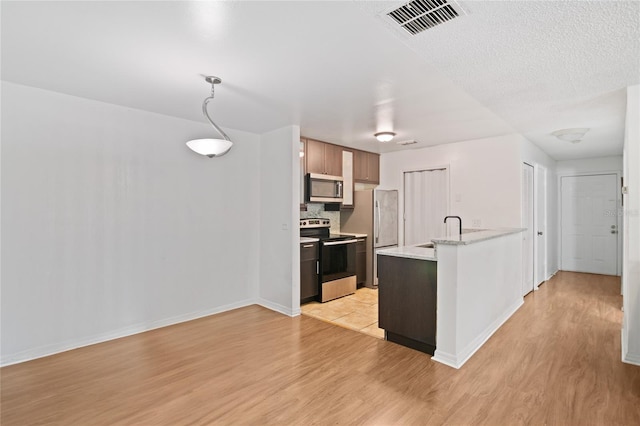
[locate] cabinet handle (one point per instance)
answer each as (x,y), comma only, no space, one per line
(307,246)
(317,267)
(378,224)
(340,242)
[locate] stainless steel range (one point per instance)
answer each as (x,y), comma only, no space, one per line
(337,275)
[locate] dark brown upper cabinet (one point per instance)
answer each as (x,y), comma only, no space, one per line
(366,167)
(323,158)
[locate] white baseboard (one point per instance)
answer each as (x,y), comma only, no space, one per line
(445,358)
(628,357)
(56,348)
(457,360)
(278,307)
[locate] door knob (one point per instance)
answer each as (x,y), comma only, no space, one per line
(539,232)
(614,232)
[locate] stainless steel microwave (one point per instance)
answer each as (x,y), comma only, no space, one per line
(324,188)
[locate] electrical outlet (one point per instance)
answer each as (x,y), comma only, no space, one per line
(476,223)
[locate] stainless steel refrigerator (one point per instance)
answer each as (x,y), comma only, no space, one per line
(375,213)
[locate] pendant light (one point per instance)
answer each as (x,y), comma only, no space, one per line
(211,147)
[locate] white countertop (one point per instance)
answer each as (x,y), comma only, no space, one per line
(422,253)
(308,240)
(477,236)
(411,252)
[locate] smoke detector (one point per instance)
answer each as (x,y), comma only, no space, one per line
(420,15)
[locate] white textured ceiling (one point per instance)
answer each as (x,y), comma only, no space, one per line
(542,65)
(339,70)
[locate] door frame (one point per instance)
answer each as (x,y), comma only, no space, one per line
(533,222)
(619,221)
(540,224)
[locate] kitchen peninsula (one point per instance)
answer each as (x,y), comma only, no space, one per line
(475,279)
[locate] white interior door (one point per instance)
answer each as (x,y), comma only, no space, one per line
(528,236)
(589,241)
(540,221)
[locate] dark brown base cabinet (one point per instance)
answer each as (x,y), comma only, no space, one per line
(407,291)
(308,272)
(361,262)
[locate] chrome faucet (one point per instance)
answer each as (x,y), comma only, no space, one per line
(460,224)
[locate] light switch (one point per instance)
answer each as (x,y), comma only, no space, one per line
(284,227)
(458,197)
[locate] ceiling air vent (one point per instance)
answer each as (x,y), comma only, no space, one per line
(420,15)
(409,142)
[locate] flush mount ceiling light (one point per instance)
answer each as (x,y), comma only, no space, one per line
(571,135)
(211,147)
(384,136)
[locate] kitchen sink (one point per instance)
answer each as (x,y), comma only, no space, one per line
(428,245)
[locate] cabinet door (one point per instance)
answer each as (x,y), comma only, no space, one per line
(361,261)
(407,297)
(347,175)
(333,160)
(360,166)
(315,156)
(308,271)
(303,170)
(373,167)
(308,280)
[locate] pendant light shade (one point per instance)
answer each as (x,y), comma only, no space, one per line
(212,147)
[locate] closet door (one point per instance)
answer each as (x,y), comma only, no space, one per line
(426,203)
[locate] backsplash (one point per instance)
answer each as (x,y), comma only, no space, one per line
(317,210)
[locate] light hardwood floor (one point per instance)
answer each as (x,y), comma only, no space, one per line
(556,361)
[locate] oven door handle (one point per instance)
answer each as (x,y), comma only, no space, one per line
(335,243)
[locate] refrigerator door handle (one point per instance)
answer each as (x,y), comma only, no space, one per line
(378,224)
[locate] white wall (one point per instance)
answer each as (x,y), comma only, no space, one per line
(589,165)
(111,225)
(479,288)
(484,176)
(279,215)
(631,236)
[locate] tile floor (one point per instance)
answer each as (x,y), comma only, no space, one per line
(357,312)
